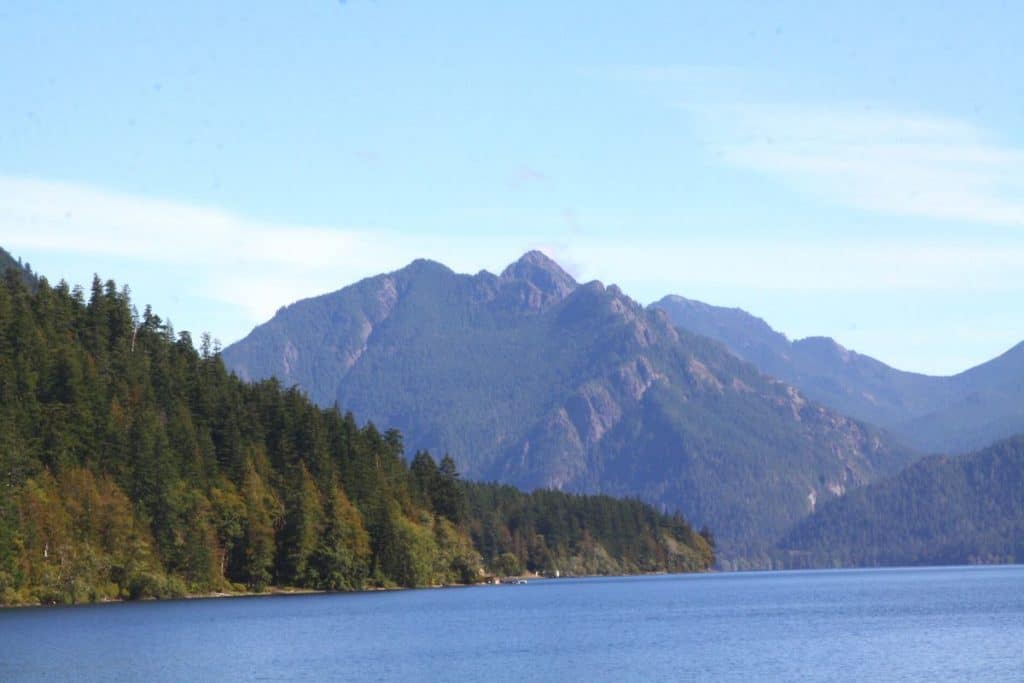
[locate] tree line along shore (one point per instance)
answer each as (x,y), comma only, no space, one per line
(134,465)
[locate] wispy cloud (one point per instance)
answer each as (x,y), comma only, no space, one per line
(70,217)
(887,162)
(217,255)
(225,272)
(863,155)
(244,261)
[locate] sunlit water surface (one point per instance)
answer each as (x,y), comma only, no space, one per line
(955,624)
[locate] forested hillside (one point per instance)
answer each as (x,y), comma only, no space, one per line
(531,379)
(942,510)
(577,534)
(134,465)
(24,270)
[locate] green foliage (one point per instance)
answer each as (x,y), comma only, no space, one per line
(548,531)
(941,510)
(134,466)
(341,560)
(507,564)
(23,271)
(407,551)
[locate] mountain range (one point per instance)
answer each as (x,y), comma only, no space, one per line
(533,379)
(959,413)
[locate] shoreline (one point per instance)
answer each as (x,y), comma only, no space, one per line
(278,591)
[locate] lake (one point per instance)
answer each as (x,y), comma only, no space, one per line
(930,624)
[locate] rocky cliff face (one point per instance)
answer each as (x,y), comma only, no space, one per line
(532,379)
(537,281)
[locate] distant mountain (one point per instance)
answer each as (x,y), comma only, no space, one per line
(532,379)
(941,510)
(937,414)
(8,262)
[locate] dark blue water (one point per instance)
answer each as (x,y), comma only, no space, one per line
(954,624)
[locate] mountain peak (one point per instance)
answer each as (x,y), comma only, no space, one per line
(680,301)
(426,265)
(542,272)
(537,259)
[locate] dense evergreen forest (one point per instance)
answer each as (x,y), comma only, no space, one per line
(134,465)
(24,270)
(941,510)
(576,534)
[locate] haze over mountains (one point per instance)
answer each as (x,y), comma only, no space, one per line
(960,413)
(941,510)
(533,379)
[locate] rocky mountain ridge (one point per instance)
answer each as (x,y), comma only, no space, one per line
(533,379)
(951,414)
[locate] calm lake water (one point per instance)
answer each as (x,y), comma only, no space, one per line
(956,624)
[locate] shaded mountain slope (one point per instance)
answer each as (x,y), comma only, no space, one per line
(941,510)
(939,414)
(532,379)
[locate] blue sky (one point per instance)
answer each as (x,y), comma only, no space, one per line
(853,171)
